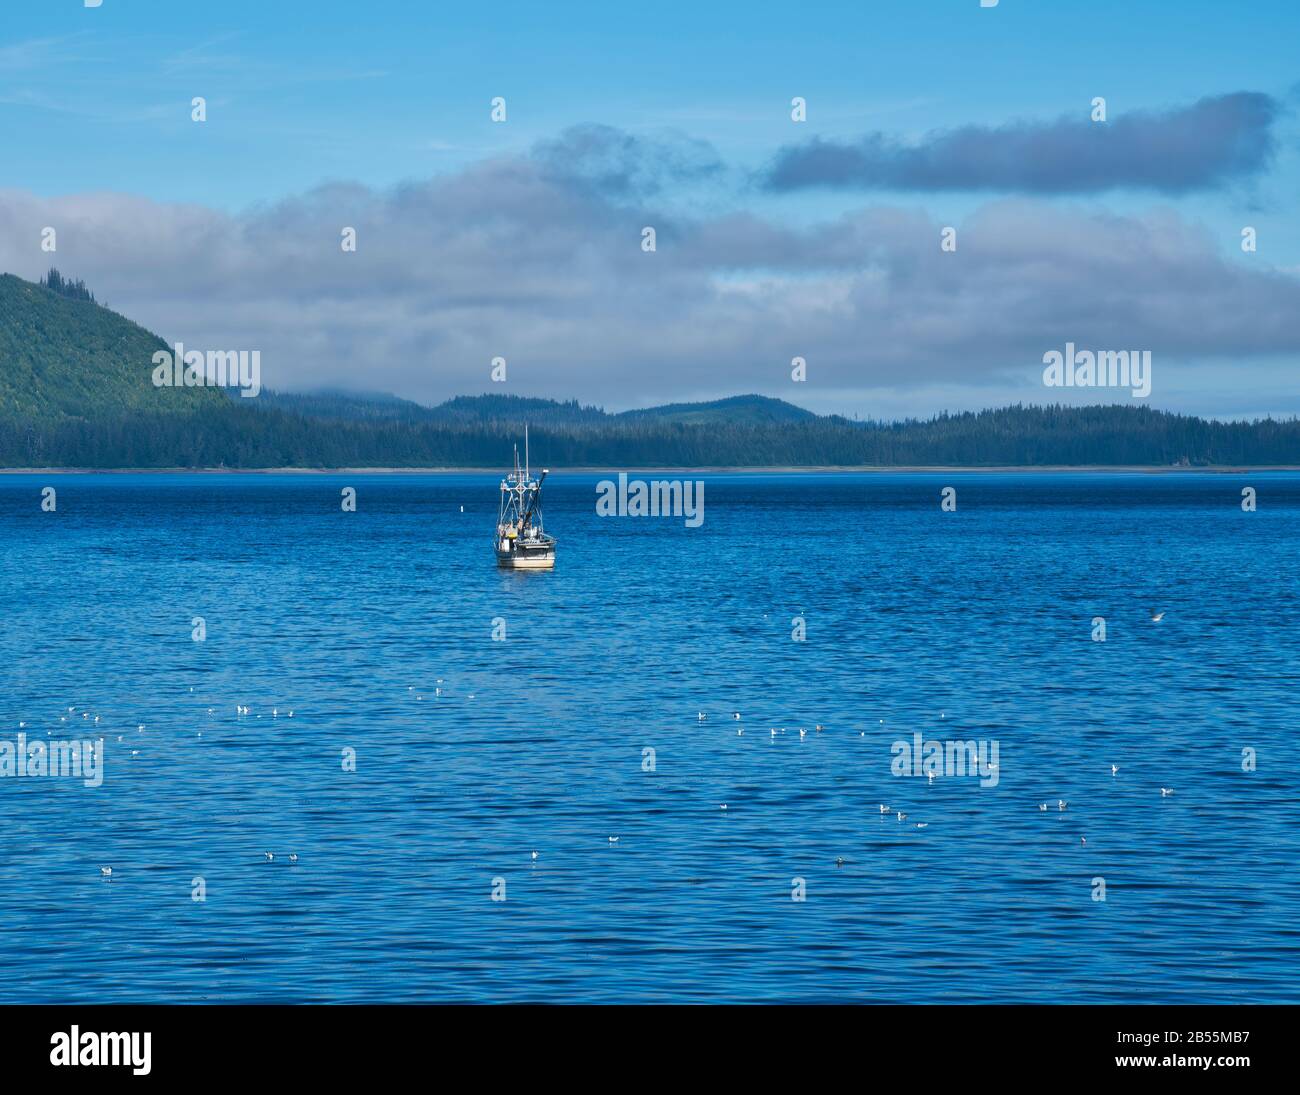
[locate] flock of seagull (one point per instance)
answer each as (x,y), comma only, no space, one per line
(243,710)
(901,815)
(240,710)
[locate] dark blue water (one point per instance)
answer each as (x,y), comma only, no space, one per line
(982,616)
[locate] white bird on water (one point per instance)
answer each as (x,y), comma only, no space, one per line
(269,856)
(534,854)
(1042,805)
(107,872)
(802,732)
(1114,769)
(293,857)
(613,840)
(722,806)
(902,816)
(740,733)
(922,824)
(736,715)
(884,809)
(1165,791)
(1157,617)
(1060,804)
(701,716)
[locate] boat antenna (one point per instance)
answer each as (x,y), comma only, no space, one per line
(525,450)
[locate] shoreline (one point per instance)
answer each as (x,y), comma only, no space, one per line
(1101,469)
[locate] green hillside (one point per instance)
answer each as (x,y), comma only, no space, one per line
(61,357)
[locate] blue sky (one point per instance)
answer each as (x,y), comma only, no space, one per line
(96,102)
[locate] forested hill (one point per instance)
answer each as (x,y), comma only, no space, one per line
(76,391)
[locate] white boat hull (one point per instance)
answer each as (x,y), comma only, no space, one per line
(519,562)
(527,555)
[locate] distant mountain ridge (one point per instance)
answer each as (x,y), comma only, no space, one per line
(76,390)
(335,403)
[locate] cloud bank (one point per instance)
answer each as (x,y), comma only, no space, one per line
(529,259)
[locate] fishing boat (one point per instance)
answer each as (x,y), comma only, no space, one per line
(521,543)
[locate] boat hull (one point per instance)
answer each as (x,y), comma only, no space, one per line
(523,562)
(527,556)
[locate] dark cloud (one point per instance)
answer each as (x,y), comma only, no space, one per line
(1203,146)
(620,165)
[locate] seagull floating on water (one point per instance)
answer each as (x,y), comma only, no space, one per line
(107,872)
(293,857)
(534,855)
(701,716)
(269,856)
(1166,791)
(839,861)
(884,809)
(736,715)
(902,816)
(1157,617)
(1042,805)
(1114,769)
(613,840)
(1060,804)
